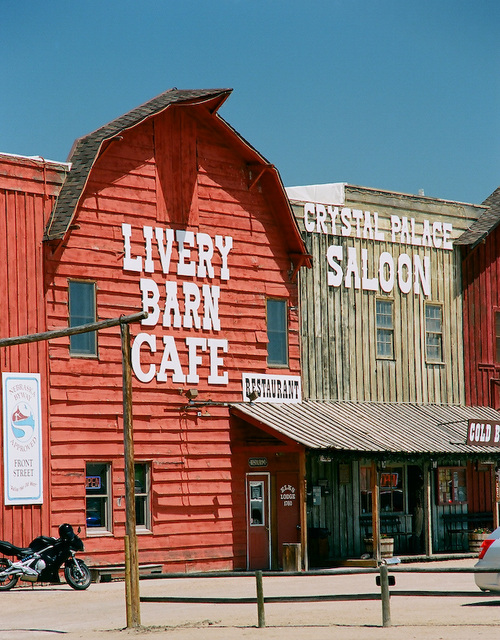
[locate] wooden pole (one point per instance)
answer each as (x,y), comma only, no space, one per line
(384,590)
(494,496)
(128,594)
(375,513)
(131,555)
(427,509)
(132,588)
(71,331)
(303,510)
(261,615)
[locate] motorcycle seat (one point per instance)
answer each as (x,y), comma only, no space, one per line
(9,549)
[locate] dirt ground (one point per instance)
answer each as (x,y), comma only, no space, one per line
(99,613)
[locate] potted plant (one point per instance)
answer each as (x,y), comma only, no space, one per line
(476,538)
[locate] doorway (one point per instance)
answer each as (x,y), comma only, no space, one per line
(258,521)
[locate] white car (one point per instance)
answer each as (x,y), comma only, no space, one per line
(489,558)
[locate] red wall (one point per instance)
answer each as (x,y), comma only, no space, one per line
(27,191)
(481,273)
(198,515)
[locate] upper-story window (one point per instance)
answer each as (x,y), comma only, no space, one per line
(277,334)
(433,333)
(82,310)
(497,335)
(385,329)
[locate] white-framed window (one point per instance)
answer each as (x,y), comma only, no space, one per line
(277,332)
(82,310)
(142,495)
(433,332)
(385,329)
(98,497)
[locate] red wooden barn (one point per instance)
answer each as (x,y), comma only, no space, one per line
(481,278)
(166,209)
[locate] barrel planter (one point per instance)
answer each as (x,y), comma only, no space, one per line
(386,547)
(476,540)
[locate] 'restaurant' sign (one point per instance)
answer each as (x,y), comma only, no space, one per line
(485,434)
(262,387)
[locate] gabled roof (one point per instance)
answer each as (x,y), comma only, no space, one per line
(485,223)
(372,427)
(86,150)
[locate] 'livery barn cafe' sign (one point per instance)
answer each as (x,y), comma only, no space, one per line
(196,266)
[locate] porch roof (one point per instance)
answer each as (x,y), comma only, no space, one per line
(373,427)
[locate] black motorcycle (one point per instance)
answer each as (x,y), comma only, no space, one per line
(41,561)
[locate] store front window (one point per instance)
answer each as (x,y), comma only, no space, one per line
(98,499)
(391,483)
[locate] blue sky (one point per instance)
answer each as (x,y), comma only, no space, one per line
(391,94)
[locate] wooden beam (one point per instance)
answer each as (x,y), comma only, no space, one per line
(71,331)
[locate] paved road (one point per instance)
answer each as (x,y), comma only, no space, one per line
(49,612)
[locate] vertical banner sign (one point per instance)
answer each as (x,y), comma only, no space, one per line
(22,438)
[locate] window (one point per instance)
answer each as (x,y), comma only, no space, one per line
(257,513)
(385,329)
(452,485)
(142,501)
(497,335)
(391,489)
(98,496)
(433,333)
(277,346)
(365,481)
(82,310)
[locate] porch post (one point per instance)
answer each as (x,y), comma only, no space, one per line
(375,512)
(494,504)
(427,509)
(303,509)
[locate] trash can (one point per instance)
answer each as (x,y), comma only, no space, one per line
(318,545)
(292,556)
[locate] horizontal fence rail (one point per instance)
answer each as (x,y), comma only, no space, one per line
(381,573)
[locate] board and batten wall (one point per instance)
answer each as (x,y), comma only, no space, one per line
(338,321)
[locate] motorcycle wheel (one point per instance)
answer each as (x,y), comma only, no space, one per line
(8,581)
(77,575)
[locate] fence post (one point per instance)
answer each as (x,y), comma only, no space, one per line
(260,600)
(384,588)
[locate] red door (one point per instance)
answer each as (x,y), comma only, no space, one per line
(288,509)
(258,521)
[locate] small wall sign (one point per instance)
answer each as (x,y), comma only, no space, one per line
(257,462)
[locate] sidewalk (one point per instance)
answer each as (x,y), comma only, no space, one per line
(99,613)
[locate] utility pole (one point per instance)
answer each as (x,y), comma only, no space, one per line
(131,554)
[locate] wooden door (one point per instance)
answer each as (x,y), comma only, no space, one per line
(258,521)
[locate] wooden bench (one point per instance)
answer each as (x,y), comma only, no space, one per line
(467,522)
(391,525)
(105,573)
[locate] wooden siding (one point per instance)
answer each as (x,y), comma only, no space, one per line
(27,191)
(481,269)
(338,332)
(198,507)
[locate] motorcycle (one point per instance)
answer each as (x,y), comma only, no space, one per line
(41,561)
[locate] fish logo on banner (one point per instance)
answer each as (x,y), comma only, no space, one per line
(22,422)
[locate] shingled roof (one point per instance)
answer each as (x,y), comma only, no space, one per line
(485,223)
(86,150)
